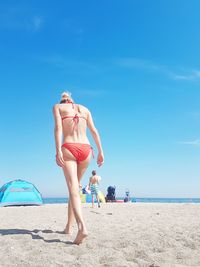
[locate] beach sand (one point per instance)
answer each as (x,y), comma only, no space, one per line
(128,234)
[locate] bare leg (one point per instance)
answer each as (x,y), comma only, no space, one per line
(68,228)
(70,171)
(92,201)
(97,197)
(81,168)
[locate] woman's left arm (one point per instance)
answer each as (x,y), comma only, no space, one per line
(58,135)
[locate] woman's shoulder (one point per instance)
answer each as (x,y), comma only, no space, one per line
(56,106)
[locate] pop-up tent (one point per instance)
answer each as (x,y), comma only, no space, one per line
(19,192)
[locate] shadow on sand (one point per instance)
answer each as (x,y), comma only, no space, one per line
(35,234)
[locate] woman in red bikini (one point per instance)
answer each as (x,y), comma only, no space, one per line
(73,154)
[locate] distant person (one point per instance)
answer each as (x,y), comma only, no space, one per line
(94,187)
(127,196)
(73,154)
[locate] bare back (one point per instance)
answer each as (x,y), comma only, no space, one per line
(71,122)
(95,179)
(74,128)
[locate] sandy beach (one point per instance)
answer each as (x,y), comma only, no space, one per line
(133,234)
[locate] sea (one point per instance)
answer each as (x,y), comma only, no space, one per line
(139,200)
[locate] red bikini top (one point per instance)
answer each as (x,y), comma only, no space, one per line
(75,118)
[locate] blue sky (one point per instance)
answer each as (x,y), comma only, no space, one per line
(134,64)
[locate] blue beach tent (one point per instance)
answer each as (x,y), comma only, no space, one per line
(19,192)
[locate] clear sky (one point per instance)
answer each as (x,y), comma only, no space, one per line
(134,64)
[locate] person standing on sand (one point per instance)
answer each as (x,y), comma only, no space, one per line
(94,187)
(73,154)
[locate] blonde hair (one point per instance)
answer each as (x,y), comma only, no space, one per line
(66,96)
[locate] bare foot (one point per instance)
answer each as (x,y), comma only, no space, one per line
(80,237)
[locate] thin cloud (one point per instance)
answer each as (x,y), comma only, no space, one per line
(19,18)
(182,77)
(193,143)
(190,76)
(69,65)
(174,74)
(137,63)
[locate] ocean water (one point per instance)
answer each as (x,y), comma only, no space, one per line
(141,200)
(55,200)
(167,200)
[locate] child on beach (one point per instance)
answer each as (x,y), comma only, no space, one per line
(94,187)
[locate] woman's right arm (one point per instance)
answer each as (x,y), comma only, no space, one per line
(95,135)
(58,135)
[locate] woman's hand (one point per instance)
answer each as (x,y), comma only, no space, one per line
(100,159)
(59,159)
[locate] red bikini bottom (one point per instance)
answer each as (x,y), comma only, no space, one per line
(79,151)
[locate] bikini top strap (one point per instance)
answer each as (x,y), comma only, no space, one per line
(77,109)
